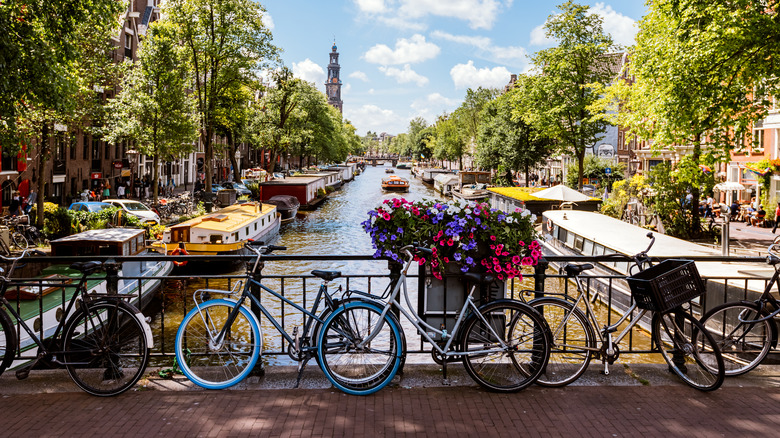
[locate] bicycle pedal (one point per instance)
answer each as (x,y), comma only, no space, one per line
(22,374)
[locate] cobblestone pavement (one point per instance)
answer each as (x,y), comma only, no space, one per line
(579,410)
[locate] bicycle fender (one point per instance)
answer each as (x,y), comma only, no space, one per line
(147,330)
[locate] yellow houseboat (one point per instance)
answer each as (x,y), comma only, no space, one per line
(224,231)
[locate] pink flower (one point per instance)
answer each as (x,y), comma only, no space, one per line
(450,242)
(521,243)
(493,238)
(500,277)
(422,261)
(528,261)
(497,267)
(505,253)
(446,260)
(437,274)
(516,259)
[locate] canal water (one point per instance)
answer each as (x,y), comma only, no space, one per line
(332,229)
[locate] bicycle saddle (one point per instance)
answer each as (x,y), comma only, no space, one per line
(572,269)
(87,267)
(478,278)
(326,275)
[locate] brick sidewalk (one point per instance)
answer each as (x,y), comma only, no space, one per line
(464,411)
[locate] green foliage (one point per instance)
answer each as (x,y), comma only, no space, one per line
(622,192)
(321,192)
(595,167)
(56,220)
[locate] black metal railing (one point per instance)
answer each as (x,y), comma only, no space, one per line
(173,297)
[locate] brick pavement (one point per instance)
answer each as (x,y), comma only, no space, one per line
(586,411)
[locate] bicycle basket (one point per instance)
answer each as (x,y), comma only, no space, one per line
(666,285)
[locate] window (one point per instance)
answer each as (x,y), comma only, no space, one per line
(128,41)
(84,153)
(73,143)
(10,160)
(246,231)
(758,141)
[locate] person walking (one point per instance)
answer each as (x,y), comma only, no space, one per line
(777,217)
(120,191)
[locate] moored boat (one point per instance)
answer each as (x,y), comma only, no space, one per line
(445,183)
(41,302)
(389,170)
(395,183)
(286,205)
(224,231)
(472,185)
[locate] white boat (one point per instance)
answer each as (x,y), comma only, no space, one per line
(445,183)
(576,232)
(472,185)
(42,306)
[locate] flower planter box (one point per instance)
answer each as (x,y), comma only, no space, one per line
(440,301)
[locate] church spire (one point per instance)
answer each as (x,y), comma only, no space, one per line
(333,85)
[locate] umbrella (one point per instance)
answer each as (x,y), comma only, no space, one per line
(562,193)
(728,186)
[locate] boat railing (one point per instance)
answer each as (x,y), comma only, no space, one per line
(366,273)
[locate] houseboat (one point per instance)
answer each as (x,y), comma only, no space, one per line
(403,165)
(427,175)
(309,190)
(445,183)
(223,232)
(286,205)
(472,185)
(42,305)
(395,183)
(576,232)
(510,198)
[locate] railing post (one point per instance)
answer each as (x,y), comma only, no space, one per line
(255,290)
(540,274)
(112,277)
(395,275)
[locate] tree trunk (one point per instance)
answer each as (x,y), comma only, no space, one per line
(233,160)
(695,222)
(43,153)
(156,177)
(208,149)
(271,161)
(580,168)
(526,175)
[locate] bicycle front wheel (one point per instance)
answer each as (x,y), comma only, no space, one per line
(743,344)
(688,349)
(352,362)
(573,340)
(8,341)
(506,346)
(106,350)
(214,363)
(19,240)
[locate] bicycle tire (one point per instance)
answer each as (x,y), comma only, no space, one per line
(8,341)
(220,366)
(19,240)
(743,345)
(368,369)
(689,350)
(106,348)
(572,335)
(520,362)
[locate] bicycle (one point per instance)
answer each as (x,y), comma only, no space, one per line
(504,344)
(102,341)
(219,341)
(745,330)
(688,349)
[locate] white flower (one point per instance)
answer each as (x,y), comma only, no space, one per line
(434,211)
(408,214)
(509,219)
(533,218)
(456,237)
(525,213)
(468,211)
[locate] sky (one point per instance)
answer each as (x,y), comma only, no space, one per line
(402,59)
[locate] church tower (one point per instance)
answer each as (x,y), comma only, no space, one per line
(333,85)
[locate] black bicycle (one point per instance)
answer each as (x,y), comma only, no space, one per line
(103,341)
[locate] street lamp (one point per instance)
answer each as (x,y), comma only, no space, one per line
(132,156)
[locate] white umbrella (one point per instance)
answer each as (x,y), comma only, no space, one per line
(729,186)
(562,193)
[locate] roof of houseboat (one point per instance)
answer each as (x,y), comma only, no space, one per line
(525,193)
(294,180)
(104,235)
(230,218)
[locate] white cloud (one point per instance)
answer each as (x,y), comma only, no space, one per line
(485,44)
(404,76)
(480,14)
(371,91)
(374,118)
(357,74)
(468,76)
(371,6)
(414,49)
(402,23)
(308,70)
(346,88)
(623,29)
(433,105)
(268,21)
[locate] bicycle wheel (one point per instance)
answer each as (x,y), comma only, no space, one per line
(688,349)
(106,348)
(8,341)
(506,346)
(572,335)
(19,241)
(743,344)
(218,365)
(350,366)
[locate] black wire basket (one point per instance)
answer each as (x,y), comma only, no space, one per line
(666,285)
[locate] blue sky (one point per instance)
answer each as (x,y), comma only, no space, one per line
(402,59)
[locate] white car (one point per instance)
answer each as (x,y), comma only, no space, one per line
(136,209)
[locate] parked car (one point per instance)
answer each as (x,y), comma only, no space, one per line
(135,208)
(240,189)
(89,206)
(216,188)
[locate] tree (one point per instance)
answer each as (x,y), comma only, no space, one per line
(703,84)
(154,108)
(507,142)
(449,143)
(226,42)
(596,167)
(556,101)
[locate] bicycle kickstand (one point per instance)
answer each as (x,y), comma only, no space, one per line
(445,381)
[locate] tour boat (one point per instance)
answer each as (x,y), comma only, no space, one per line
(389,170)
(41,297)
(472,185)
(224,231)
(395,183)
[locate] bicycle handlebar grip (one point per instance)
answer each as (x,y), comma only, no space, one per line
(255,243)
(427,252)
(276,248)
